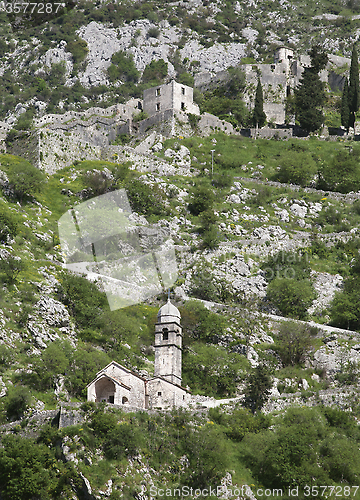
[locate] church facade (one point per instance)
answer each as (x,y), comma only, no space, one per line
(118,385)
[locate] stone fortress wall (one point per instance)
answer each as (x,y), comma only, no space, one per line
(60,139)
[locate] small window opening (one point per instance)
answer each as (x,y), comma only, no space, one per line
(183,90)
(124,400)
(159,393)
(111,399)
(183,106)
(165,334)
(157,92)
(157,106)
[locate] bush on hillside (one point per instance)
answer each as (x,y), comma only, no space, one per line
(145,199)
(123,68)
(291,297)
(293,341)
(8,224)
(25,179)
(155,71)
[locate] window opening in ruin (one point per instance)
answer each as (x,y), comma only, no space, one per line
(111,399)
(157,106)
(165,334)
(157,92)
(159,393)
(183,90)
(183,106)
(124,400)
(288,91)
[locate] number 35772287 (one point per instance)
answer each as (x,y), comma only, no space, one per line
(30,7)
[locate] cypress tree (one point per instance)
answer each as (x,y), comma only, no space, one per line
(353,91)
(345,110)
(310,95)
(259,117)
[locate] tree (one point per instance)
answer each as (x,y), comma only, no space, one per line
(353,90)
(17,401)
(258,388)
(310,95)
(202,199)
(208,454)
(345,109)
(27,470)
(155,71)
(291,297)
(294,340)
(259,117)
(25,179)
(10,267)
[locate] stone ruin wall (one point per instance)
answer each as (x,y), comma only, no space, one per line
(59,149)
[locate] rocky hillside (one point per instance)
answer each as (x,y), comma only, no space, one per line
(70,59)
(255,252)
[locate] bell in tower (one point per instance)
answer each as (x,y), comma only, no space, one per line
(168,344)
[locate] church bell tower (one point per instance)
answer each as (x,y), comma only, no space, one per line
(168,344)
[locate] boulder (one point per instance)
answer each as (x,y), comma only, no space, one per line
(298,210)
(53,312)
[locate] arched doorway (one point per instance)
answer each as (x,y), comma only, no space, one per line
(105,390)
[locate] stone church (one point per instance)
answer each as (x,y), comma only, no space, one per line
(118,385)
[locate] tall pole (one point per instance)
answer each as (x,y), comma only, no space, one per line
(212,161)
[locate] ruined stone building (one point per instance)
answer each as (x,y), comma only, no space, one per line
(170,96)
(118,385)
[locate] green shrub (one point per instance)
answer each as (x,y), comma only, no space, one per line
(290,265)
(212,371)
(79,50)
(342,172)
(153,32)
(296,167)
(291,297)
(142,115)
(202,199)
(17,401)
(83,298)
(8,224)
(25,179)
(155,71)
(10,268)
(258,387)
(123,68)
(293,341)
(121,441)
(145,199)
(28,470)
(240,422)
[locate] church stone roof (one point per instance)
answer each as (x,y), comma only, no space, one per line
(168,313)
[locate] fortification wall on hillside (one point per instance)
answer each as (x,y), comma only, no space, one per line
(59,149)
(117,112)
